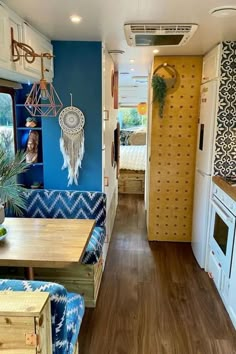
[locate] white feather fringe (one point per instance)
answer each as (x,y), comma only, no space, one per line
(72,149)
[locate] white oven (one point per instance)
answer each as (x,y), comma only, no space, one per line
(222,228)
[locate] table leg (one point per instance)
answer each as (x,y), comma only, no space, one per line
(29,273)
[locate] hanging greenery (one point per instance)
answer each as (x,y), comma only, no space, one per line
(159,92)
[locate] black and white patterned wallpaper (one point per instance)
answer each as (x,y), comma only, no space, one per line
(225,153)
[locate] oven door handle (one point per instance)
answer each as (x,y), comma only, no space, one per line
(221,211)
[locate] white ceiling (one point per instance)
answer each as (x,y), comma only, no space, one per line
(103,20)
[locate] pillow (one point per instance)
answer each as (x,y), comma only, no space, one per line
(124,136)
(138,138)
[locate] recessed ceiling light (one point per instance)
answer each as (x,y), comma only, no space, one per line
(131,61)
(132,69)
(155,51)
(75,19)
(223,11)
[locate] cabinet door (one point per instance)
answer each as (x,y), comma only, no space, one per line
(5,48)
(211,64)
(39,45)
(232,289)
(214,269)
(16,25)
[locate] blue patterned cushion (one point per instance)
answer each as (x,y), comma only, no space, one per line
(44,203)
(67,310)
(74,316)
(94,249)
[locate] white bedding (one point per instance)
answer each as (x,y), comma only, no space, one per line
(133,157)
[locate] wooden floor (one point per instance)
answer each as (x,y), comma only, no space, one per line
(154,299)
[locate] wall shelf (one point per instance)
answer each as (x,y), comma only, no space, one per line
(36,164)
(35,170)
(28,128)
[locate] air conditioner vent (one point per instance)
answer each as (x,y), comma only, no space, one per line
(155,34)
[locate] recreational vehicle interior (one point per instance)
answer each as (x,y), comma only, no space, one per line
(117,177)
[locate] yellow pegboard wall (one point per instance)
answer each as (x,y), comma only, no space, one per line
(173,149)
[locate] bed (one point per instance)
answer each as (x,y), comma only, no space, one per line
(132,162)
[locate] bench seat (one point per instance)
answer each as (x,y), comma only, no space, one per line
(84,278)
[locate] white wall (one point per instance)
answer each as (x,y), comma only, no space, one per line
(109,126)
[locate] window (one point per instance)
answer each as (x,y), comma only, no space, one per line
(7,121)
(129,118)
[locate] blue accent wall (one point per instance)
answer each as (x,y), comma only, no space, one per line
(77,70)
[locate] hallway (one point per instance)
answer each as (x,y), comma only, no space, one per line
(154,299)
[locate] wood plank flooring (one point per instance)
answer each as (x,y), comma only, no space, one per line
(154,299)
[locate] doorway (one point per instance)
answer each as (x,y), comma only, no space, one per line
(133,117)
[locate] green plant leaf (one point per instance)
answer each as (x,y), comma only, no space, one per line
(159,92)
(11,192)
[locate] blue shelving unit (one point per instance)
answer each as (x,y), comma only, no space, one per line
(35,171)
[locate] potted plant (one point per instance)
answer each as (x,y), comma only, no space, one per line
(11,192)
(159,92)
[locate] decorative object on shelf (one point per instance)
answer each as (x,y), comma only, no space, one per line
(161,85)
(43,99)
(31,122)
(32,147)
(36,185)
(72,121)
(142,108)
(11,193)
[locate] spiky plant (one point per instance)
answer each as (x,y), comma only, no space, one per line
(159,92)
(11,192)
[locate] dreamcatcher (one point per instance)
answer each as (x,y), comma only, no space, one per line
(71,121)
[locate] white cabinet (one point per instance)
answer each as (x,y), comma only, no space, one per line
(40,45)
(16,25)
(214,269)
(5,53)
(21,70)
(211,64)
(232,290)
(8,20)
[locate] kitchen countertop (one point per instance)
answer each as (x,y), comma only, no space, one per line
(226,187)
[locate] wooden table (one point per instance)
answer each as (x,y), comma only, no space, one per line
(44,243)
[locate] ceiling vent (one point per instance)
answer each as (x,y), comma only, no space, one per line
(156,34)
